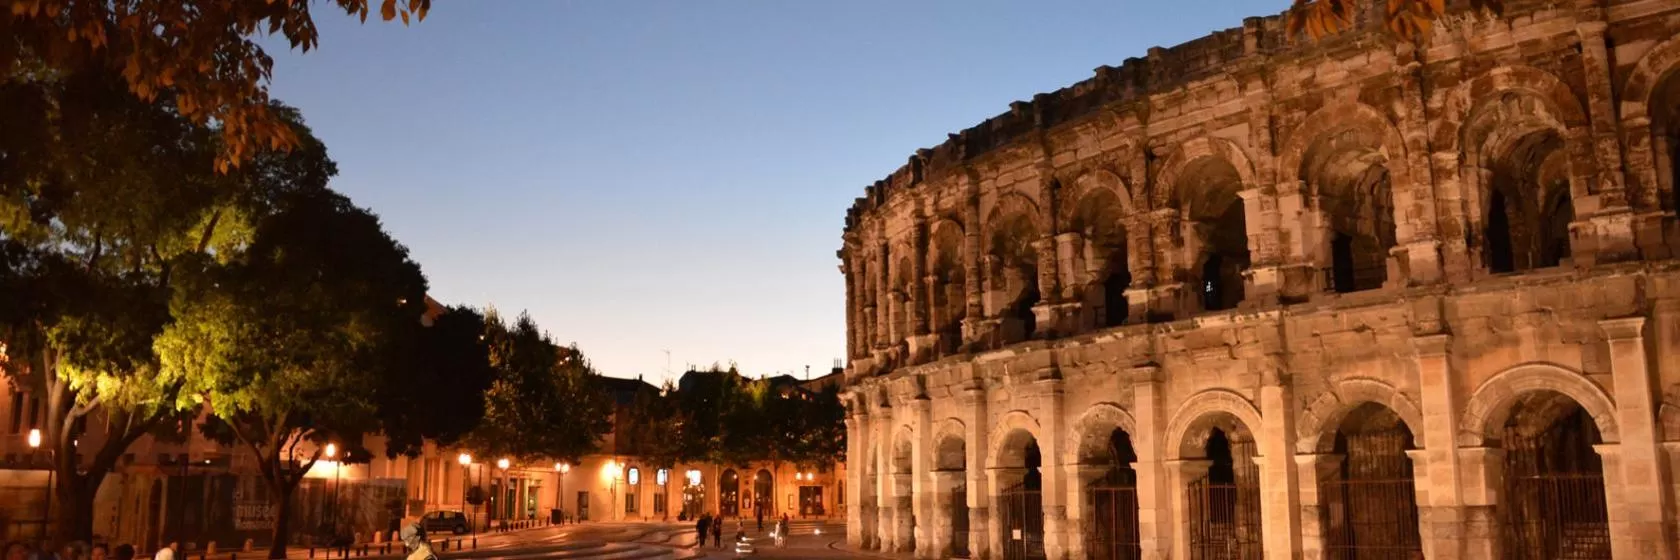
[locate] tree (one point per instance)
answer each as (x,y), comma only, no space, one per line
(654,429)
(545,401)
(100,199)
(1406,19)
(448,367)
(200,55)
(292,342)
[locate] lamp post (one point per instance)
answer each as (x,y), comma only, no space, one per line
(46,511)
(466,461)
(332,452)
(560,489)
(613,470)
(502,464)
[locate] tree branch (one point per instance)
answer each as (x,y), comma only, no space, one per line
(209,231)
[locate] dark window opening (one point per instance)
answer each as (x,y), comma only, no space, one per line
(1341,259)
(1114,296)
(1023,308)
(1499,257)
(1674,167)
(1555,243)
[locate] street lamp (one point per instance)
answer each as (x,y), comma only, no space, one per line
(472,523)
(502,508)
(613,470)
(46,511)
(332,451)
(560,489)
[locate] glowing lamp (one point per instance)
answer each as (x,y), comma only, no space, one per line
(502,463)
(34,438)
(332,451)
(464,459)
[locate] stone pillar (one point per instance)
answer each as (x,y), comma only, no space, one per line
(921,495)
(979,481)
(904,515)
(1155,496)
(971,251)
(883,289)
(1418,235)
(1180,474)
(1642,533)
(1055,480)
(1477,520)
(1280,505)
(857,437)
(1613,218)
(1079,515)
(1264,281)
(1442,516)
(884,495)
(1314,467)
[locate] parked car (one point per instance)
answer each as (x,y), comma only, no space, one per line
(446,521)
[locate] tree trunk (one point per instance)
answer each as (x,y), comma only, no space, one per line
(282,519)
(73,511)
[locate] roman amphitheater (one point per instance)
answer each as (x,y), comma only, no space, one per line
(1254,297)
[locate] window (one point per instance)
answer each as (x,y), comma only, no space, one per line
(659,502)
(629,502)
(635,476)
(17,412)
(662,476)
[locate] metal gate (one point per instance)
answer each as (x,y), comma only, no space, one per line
(1370,507)
(1112,532)
(959,521)
(1224,506)
(1023,521)
(1553,506)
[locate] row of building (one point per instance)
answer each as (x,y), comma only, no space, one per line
(196,491)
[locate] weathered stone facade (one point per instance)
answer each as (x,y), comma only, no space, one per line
(1288,299)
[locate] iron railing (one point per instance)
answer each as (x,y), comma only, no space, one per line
(1023,522)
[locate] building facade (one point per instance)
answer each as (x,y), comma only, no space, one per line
(1256,296)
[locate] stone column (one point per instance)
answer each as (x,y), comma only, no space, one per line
(971,252)
(1642,532)
(1315,467)
(1055,480)
(857,438)
(1613,218)
(1442,516)
(921,506)
(904,515)
(1155,497)
(939,523)
(1079,514)
(1180,474)
(883,291)
(1483,470)
(1167,296)
(979,481)
(885,529)
(1280,505)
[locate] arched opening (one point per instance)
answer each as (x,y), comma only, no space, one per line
(1223,505)
(1553,500)
(729,494)
(950,291)
(1525,175)
(1665,136)
(1369,500)
(694,495)
(1111,500)
(1207,192)
(904,299)
(951,459)
(1020,498)
(764,493)
(1349,177)
(1097,219)
(1015,275)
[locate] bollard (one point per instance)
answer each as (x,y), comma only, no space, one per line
(233,555)
(250,545)
(210,549)
(311,553)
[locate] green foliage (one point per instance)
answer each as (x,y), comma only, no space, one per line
(654,428)
(448,365)
(545,401)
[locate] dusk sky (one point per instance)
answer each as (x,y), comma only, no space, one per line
(652,176)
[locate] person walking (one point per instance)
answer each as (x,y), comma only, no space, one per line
(759,513)
(700,528)
(717,531)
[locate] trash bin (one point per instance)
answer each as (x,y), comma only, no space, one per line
(556,516)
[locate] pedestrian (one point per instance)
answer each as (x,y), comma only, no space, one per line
(760,515)
(700,528)
(414,539)
(125,552)
(16,550)
(717,532)
(99,552)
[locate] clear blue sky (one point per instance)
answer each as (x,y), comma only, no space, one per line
(644,176)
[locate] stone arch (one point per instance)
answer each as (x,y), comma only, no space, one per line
(1325,414)
(1653,126)
(948,269)
(1012,252)
(1201,412)
(1102,269)
(1465,98)
(1166,183)
(1091,431)
(950,445)
(1094,181)
(1348,158)
(1010,204)
(903,450)
(1007,430)
(1488,409)
(1525,161)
